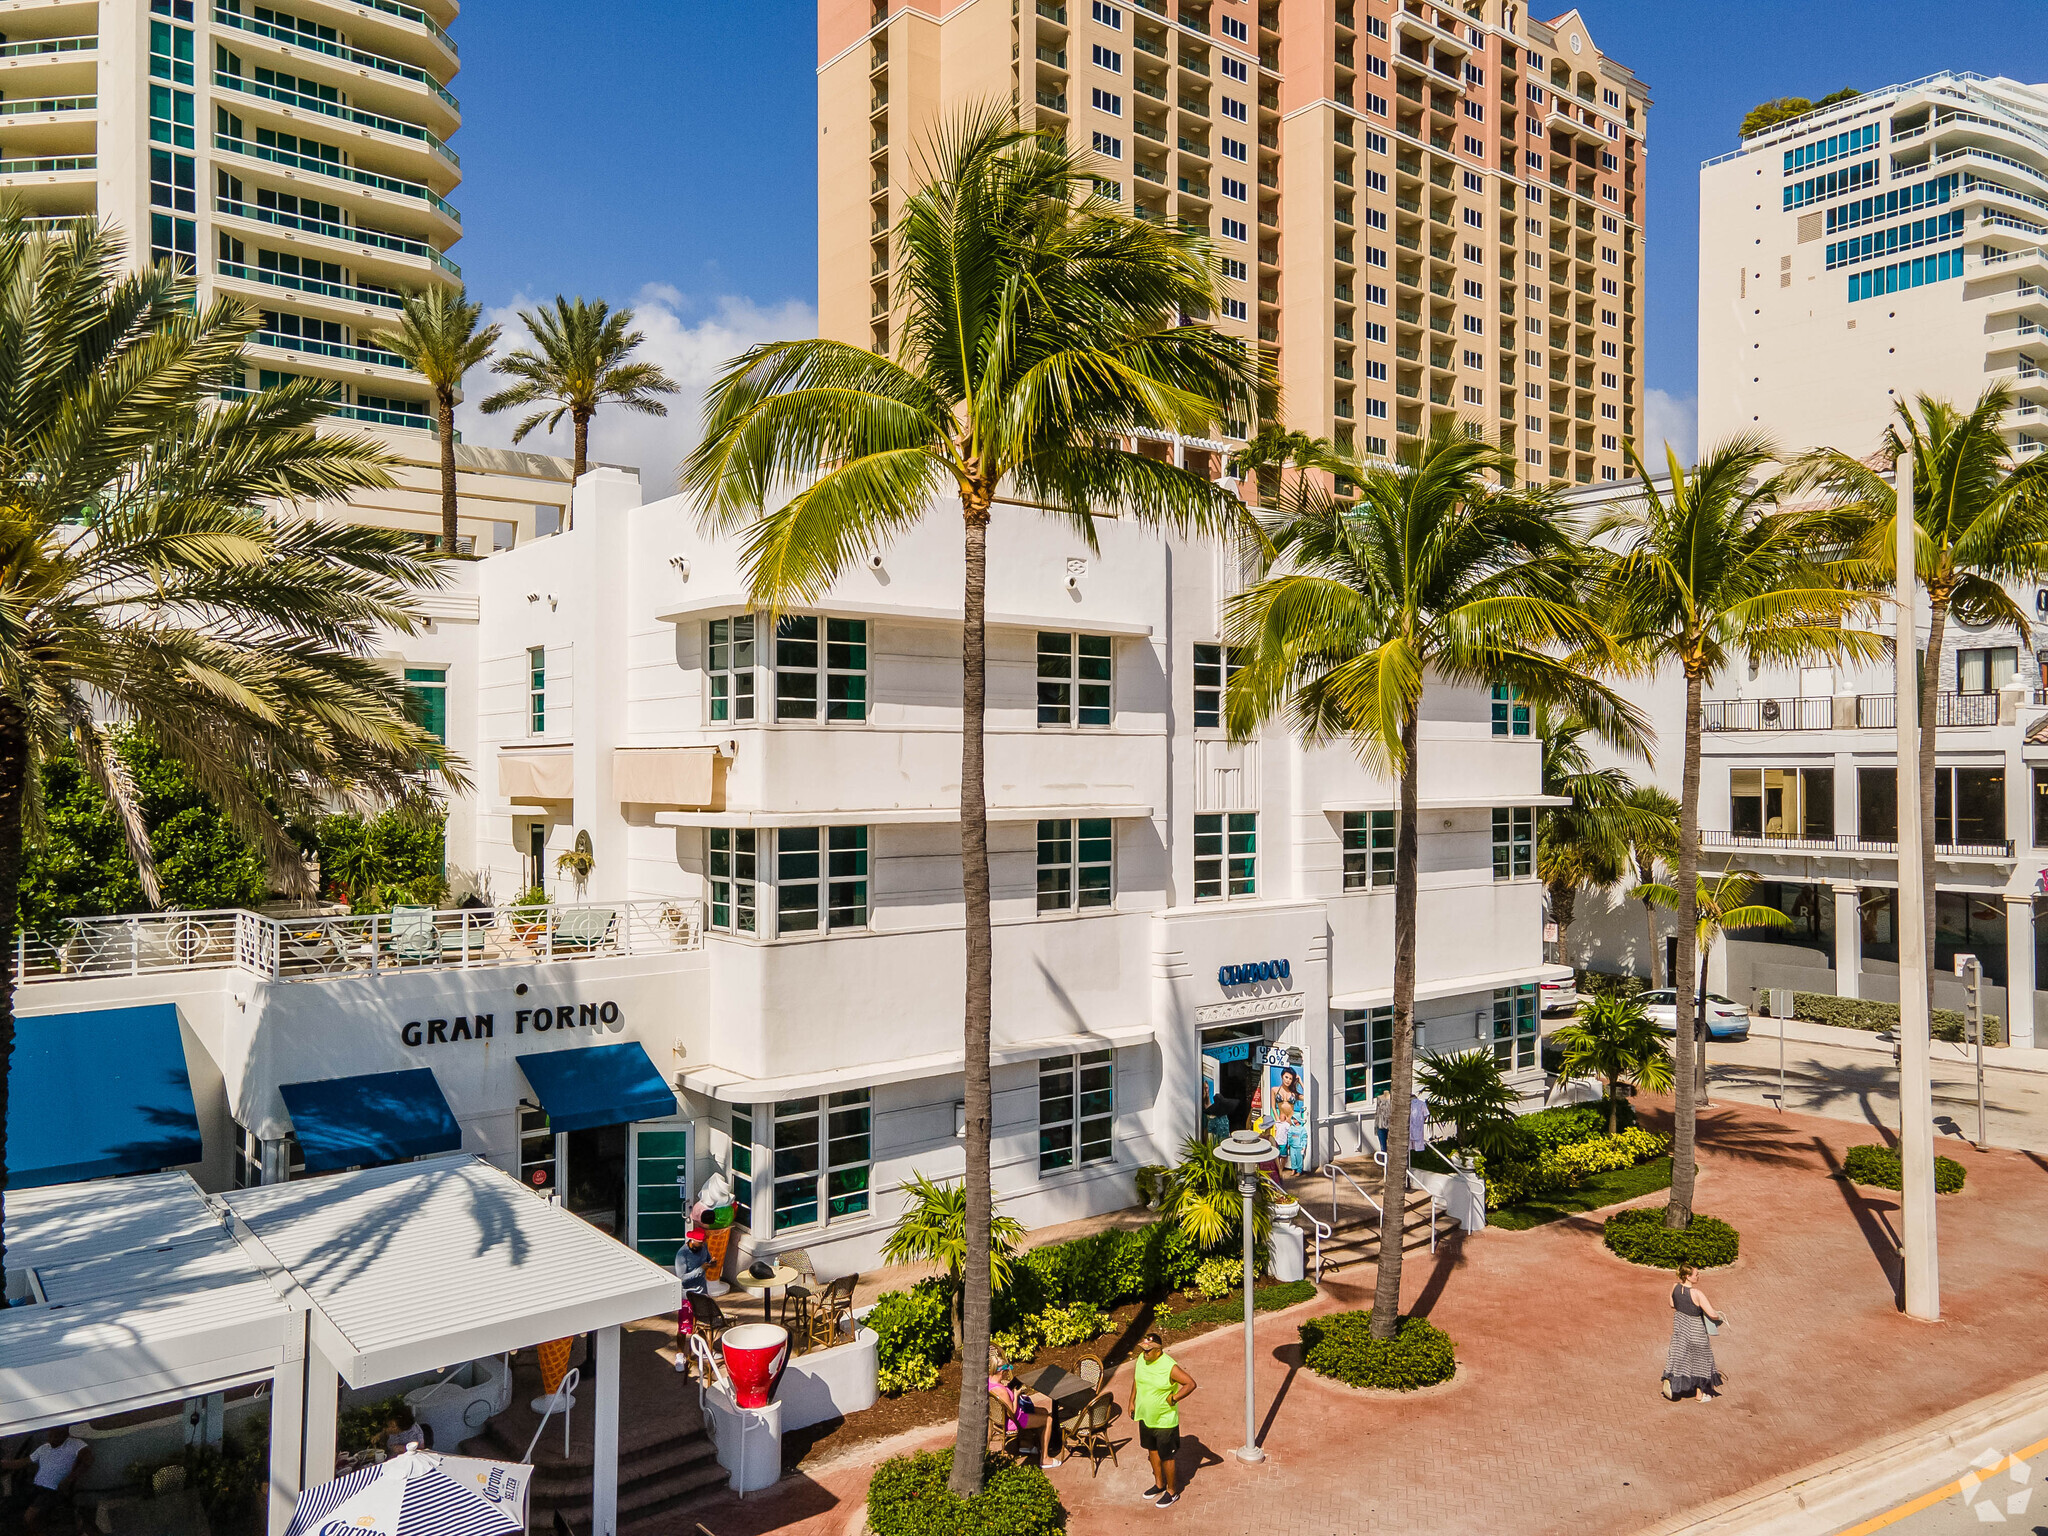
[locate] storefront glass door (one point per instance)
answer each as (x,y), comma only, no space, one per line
(594,1180)
(1230,1076)
(660,1169)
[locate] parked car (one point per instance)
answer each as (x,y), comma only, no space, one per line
(1559,996)
(1726,1020)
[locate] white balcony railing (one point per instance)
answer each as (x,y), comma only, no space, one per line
(369,944)
(1853,846)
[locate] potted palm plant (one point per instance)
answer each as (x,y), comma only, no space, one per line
(1470,1091)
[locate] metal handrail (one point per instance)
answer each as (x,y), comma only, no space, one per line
(1334,1173)
(1321,1231)
(563,1397)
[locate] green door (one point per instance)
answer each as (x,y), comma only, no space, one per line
(661,1156)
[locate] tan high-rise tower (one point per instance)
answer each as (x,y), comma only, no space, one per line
(295,159)
(1424,210)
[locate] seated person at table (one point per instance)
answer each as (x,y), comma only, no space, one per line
(39,1501)
(692,1259)
(1028,1411)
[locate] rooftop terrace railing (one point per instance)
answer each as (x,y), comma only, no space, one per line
(366,944)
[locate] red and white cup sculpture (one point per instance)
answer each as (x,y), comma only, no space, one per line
(755,1353)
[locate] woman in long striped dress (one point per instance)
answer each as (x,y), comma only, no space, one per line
(1689,1367)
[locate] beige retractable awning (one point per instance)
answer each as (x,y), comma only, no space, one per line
(531,777)
(678,777)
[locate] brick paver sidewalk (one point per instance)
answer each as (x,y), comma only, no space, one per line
(1555,1423)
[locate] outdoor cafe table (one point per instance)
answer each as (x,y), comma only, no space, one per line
(1067,1392)
(783,1276)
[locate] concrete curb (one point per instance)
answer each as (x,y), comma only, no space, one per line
(1876,1476)
(2004,1058)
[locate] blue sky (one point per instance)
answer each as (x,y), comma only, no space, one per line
(661,152)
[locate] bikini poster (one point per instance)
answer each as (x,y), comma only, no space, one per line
(1281,1107)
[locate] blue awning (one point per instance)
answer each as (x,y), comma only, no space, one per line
(98,1093)
(598,1085)
(382,1117)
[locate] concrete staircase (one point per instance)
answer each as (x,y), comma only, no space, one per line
(666,1461)
(1354,1226)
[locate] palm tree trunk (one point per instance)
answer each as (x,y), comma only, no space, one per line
(970,1441)
(1613,1106)
(1564,903)
(1386,1295)
(1656,949)
(445,400)
(13,788)
(1686,1109)
(1930,740)
(1699,1063)
(582,419)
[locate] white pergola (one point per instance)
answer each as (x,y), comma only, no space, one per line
(155,1291)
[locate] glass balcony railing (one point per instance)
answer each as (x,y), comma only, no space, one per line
(48,45)
(352,173)
(340,349)
(396,125)
(297,39)
(420,422)
(358,236)
(291,280)
(413,14)
(50,104)
(57,163)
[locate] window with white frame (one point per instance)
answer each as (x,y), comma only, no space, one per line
(1215,666)
(1076,863)
(729,667)
(1074,679)
(1510,709)
(822,1151)
(1367,1043)
(1076,1110)
(1227,856)
(821,879)
(1514,1027)
(821,668)
(743,1166)
(734,875)
(1514,842)
(1368,849)
(536,690)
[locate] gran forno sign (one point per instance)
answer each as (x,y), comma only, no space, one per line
(484,1026)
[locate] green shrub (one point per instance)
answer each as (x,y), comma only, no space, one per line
(1601,984)
(1105,1270)
(1225,1309)
(1640,1236)
(1569,1123)
(910,1373)
(1569,1164)
(1018,1345)
(912,1323)
(1340,1345)
(1864,1013)
(1076,1324)
(909,1497)
(1878,1166)
(1218,1277)
(1151,1181)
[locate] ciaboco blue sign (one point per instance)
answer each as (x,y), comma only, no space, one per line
(1258,970)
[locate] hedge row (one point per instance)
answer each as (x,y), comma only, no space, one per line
(1640,1236)
(909,1497)
(1878,1166)
(1866,1013)
(1340,1345)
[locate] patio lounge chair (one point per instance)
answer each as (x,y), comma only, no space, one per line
(455,938)
(584,927)
(413,936)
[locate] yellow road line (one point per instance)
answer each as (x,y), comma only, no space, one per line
(1946,1491)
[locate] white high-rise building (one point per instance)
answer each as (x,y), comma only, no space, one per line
(1874,250)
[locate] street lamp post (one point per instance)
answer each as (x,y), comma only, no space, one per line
(1247,1150)
(1971,969)
(1916,1103)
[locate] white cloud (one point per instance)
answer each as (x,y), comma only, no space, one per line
(1673,419)
(691,339)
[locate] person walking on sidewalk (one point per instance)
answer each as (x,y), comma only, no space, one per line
(1159,1385)
(1689,1367)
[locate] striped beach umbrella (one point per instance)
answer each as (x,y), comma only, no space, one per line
(418,1494)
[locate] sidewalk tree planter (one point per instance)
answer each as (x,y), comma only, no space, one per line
(909,1497)
(1640,1235)
(1878,1166)
(1341,1346)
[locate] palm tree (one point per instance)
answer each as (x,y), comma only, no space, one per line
(1584,844)
(147,579)
(1652,841)
(581,359)
(1981,520)
(1272,451)
(1469,1088)
(1615,1042)
(1032,347)
(1203,1199)
(1723,906)
(437,336)
(1711,567)
(1433,574)
(933,1230)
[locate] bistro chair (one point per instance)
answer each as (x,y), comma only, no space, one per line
(796,1296)
(584,928)
(1001,1442)
(413,935)
(708,1320)
(829,1309)
(1091,1427)
(1089,1369)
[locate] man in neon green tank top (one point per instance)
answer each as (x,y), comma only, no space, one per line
(1159,1385)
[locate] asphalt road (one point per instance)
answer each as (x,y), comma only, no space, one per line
(2007,1493)
(1851,1084)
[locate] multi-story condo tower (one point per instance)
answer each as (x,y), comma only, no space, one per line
(1422,210)
(295,159)
(1876,249)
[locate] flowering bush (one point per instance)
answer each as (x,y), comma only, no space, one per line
(910,1373)
(1570,1165)
(1218,1277)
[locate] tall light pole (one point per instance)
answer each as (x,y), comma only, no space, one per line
(1247,1149)
(1916,1102)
